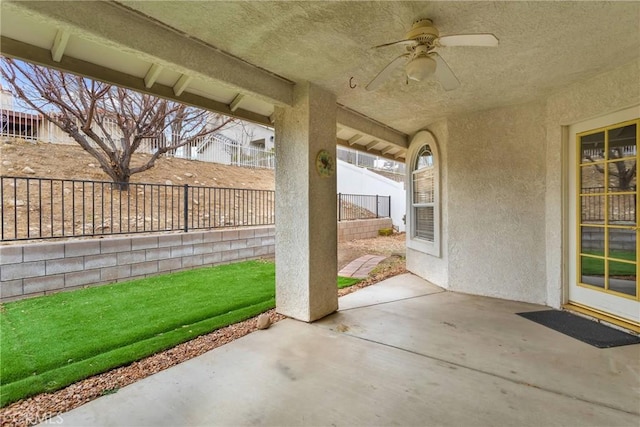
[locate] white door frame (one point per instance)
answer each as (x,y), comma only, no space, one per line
(600,301)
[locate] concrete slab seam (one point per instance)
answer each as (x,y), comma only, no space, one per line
(395,300)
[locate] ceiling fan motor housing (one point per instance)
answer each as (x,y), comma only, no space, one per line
(423,31)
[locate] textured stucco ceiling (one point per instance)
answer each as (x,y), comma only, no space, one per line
(544,46)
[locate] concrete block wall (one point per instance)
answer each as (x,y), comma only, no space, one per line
(619,239)
(361,228)
(42,268)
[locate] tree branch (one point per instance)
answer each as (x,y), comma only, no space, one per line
(83,109)
(598,167)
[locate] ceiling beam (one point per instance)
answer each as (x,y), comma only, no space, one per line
(372,144)
(345,143)
(59,45)
(366,125)
(19,50)
(181,84)
(236,102)
(152,75)
(387,150)
(355,139)
(110,24)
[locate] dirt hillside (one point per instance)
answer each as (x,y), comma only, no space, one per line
(72,162)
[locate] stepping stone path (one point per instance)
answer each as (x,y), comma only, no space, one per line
(361,267)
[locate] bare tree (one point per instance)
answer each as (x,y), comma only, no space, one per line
(622,171)
(109,122)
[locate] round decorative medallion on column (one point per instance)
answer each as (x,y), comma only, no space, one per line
(325,165)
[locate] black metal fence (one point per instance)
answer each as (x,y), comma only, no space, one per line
(622,207)
(360,206)
(42,208)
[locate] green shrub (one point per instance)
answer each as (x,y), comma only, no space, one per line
(385,232)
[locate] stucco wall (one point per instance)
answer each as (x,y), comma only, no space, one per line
(604,94)
(502,191)
(496,203)
(42,268)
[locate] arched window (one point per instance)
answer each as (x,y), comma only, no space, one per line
(424,195)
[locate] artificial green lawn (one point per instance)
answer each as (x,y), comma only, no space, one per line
(49,342)
(345,282)
(595,266)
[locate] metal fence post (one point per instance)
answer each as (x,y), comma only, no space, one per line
(186,207)
(377,203)
(339,207)
(389,209)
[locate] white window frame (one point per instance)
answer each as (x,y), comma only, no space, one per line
(421,139)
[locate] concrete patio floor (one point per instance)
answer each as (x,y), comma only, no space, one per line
(401,352)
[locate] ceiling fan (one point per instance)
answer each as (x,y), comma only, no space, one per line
(421,60)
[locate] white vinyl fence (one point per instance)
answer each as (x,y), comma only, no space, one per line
(215,148)
(393,170)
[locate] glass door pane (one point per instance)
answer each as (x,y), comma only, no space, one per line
(607,209)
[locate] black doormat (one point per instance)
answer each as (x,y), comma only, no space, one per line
(580,328)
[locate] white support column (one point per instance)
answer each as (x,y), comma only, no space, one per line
(306,213)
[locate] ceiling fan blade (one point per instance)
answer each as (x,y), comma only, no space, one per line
(484,40)
(399,42)
(386,72)
(443,73)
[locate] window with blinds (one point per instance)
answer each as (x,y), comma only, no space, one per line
(425,223)
(424,195)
